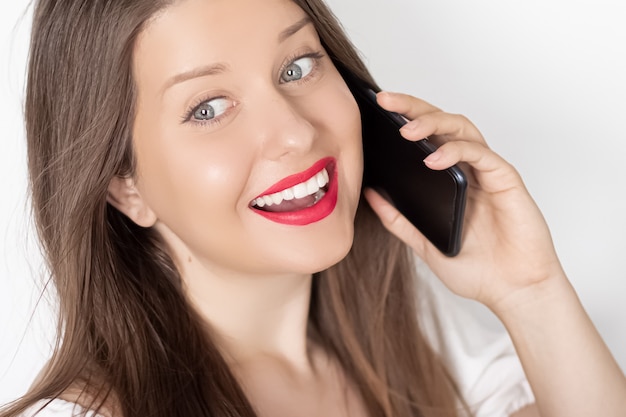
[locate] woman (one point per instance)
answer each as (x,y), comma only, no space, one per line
(156,128)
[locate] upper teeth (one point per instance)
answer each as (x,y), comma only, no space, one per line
(309,187)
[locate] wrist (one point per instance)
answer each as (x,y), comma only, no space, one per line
(536,300)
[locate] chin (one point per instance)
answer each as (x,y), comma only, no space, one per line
(339,256)
(316,246)
(332,251)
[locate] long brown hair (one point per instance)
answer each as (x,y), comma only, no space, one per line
(127,336)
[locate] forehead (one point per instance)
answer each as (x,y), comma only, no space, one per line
(218,25)
(193,33)
(223,13)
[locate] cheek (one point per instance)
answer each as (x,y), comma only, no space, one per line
(344,118)
(335,113)
(185,177)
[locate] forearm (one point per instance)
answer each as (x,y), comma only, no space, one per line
(569,367)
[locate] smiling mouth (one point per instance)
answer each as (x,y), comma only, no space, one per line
(298,197)
(302,198)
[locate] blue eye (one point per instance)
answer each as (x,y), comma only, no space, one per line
(210,109)
(298,69)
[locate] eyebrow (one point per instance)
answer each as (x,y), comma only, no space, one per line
(202,71)
(293,29)
(219,68)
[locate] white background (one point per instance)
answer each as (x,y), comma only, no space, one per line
(545,81)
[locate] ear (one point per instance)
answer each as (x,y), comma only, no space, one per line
(124,196)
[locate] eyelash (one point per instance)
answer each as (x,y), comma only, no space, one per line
(192,109)
(316,56)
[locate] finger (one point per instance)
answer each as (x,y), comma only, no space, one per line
(404,104)
(397,224)
(491,171)
(442,127)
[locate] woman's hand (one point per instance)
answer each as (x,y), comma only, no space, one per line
(506,244)
(508,262)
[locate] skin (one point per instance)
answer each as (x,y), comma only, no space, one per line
(250,277)
(508,263)
(196,180)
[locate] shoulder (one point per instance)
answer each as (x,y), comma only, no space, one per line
(58,408)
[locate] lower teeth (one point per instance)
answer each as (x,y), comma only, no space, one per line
(318,196)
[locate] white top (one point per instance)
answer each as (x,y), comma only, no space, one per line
(478,351)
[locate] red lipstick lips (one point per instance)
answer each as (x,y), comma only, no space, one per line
(314,212)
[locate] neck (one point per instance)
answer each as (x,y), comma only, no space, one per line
(253,316)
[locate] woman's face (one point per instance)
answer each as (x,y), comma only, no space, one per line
(239,107)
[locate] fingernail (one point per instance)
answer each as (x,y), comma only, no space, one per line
(382,95)
(410,126)
(433,157)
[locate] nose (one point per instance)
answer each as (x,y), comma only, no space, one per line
(282,127)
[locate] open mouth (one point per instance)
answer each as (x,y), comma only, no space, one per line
(303,198)
(300,196)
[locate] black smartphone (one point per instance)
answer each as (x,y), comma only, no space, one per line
(433,201)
